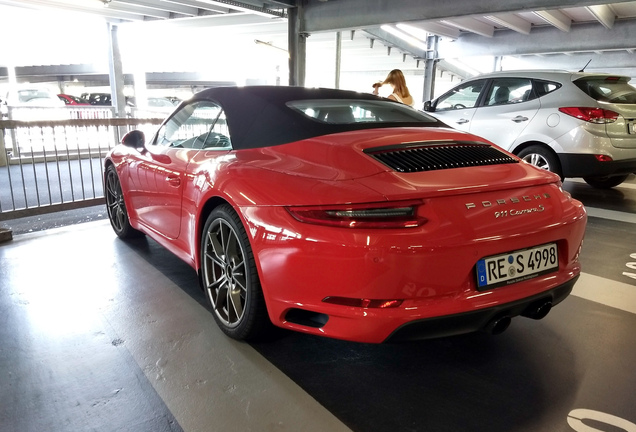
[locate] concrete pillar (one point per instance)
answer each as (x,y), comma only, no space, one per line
(338,57)
(430,68)
(115,72)
(3,150)
(13,85)
(297,41)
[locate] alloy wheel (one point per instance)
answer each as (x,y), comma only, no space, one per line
(537,160)
(115,202)
(224,272)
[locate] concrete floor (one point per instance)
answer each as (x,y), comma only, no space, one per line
(97,334)
(96,338)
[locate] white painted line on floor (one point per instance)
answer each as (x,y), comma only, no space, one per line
(207,380)
(612,293)
(611,214)
(628,184)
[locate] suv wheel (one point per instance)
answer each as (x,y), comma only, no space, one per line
(541,158)
(605,182)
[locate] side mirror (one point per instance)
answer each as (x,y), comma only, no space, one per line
(135,139)
(428,106)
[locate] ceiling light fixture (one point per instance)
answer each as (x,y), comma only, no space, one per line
(405,37)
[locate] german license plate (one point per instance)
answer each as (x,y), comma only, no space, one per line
(517,266)
(631,127)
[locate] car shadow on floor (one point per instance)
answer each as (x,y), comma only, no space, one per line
(518,381)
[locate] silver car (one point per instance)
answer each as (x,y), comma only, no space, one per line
(572,123)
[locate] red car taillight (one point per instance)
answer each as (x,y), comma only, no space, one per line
(401,214)
(592,115)
(603,158)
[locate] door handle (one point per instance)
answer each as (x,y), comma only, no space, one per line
(519,119)
(462,121)
(173,181)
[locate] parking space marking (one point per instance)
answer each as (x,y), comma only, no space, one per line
(606,291)
(611,214)
(628,184)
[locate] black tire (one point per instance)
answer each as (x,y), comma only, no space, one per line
(605,182)
(116,206)
(541,157)
(230,279)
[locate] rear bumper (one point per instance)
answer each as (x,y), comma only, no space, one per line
(431,268)
(477,320)
(586,165)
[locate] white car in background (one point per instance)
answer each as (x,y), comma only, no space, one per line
(34,103)
(575,124)
(36,97)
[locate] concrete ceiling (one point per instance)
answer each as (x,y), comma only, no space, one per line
(563,34)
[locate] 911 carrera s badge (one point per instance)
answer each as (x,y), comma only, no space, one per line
(515,212)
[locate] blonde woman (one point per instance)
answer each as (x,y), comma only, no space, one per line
(400,91)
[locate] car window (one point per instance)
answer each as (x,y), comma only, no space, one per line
(463,96)
(349,111)
(542,88)
(199,125)
(608,89)
(34,94)
(509,91)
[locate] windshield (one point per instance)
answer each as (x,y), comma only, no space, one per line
(348,111)
(29,95)
(608,89)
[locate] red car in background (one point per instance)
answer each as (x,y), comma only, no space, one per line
(345,215)
(72,100)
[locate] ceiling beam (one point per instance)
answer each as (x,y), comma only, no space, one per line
(511,21)
(604,14)
(351,14)
(56,6)
(246,7)
(584,37)
(438,29)
(391,40)
(556,18)
(199,5)
(597,62)
(144,12)
(214,21)
(160,5)
(471,25)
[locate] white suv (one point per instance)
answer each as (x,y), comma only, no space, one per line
(572,123)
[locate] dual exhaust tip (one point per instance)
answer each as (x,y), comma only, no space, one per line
(537,311)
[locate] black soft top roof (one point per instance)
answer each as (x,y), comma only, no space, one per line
(258,116)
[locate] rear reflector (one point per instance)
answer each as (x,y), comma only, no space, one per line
(363,303)
(603,158)
(400,214)
(592,115)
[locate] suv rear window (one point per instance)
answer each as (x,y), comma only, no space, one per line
(608,89)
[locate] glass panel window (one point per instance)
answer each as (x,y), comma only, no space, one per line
(509,91)
(542,88)
(608,89)
(199,125)
(349,111)
(464,96)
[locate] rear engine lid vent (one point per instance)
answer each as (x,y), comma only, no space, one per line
(417,157)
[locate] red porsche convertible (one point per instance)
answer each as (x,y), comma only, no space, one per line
(345,215)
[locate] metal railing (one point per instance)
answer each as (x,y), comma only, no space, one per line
(54,165)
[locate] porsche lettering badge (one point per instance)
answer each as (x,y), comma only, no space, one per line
(512,200)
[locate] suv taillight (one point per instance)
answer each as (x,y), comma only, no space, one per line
(592,115)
